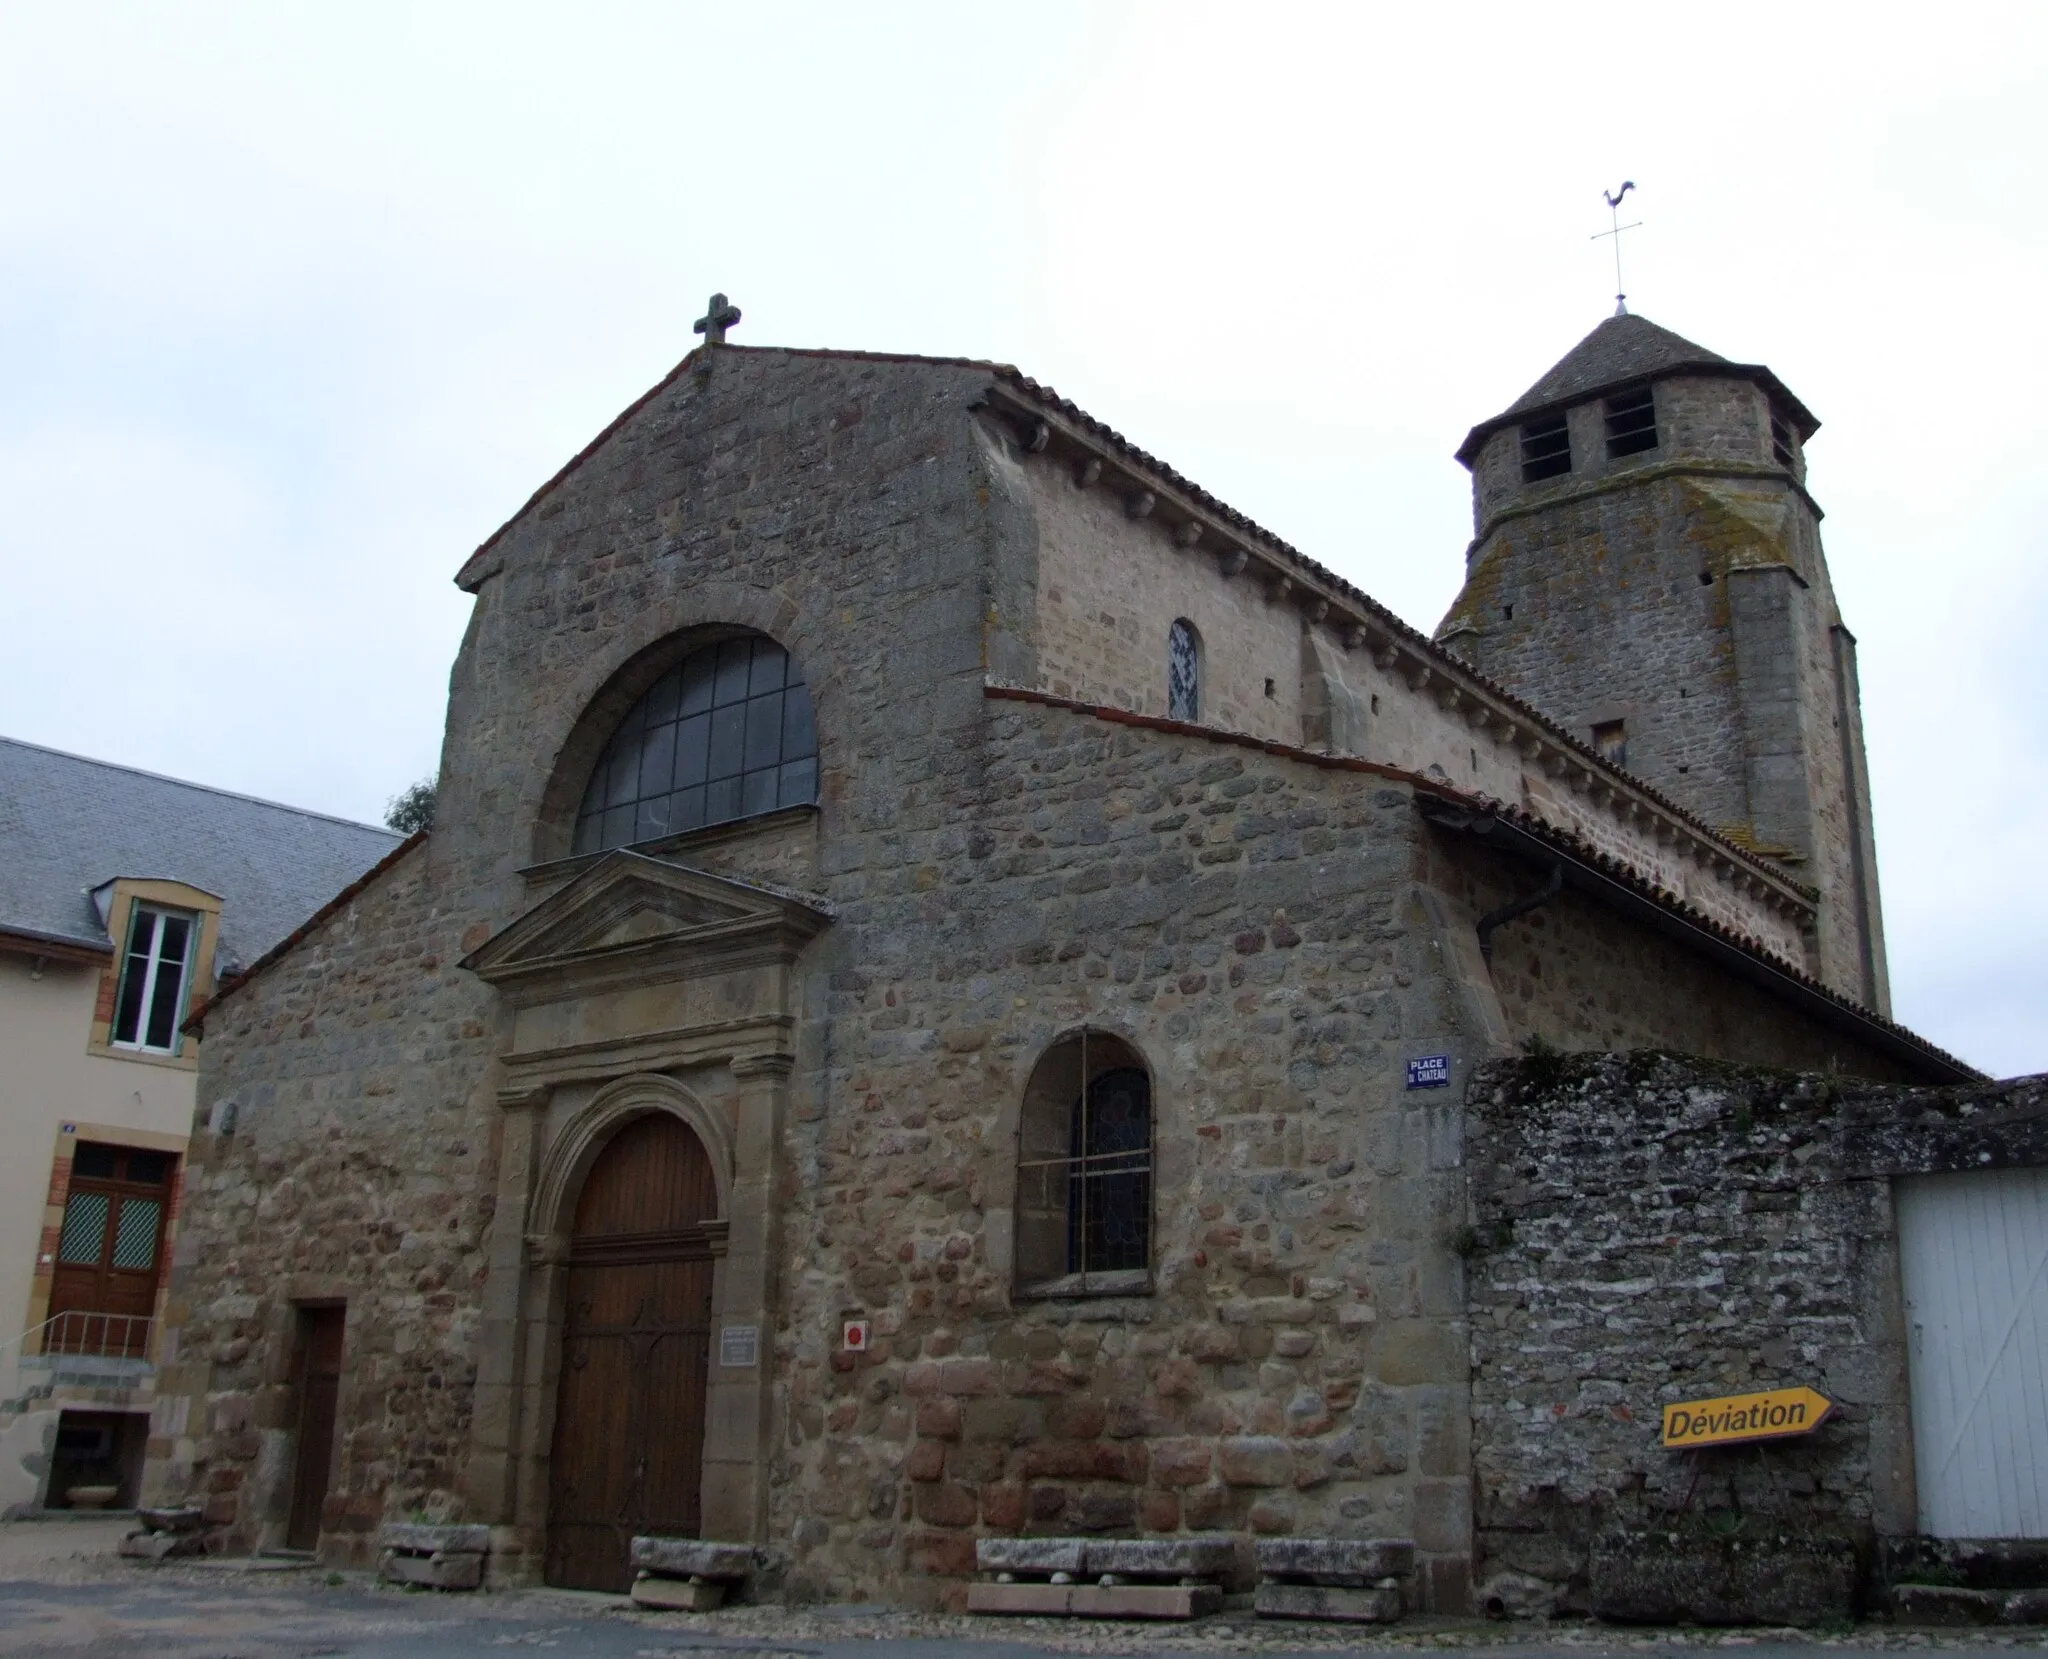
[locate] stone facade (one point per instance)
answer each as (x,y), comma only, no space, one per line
(845,1002)
(1649,1229)
(359,1171)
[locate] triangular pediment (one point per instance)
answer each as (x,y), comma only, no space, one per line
(645,914)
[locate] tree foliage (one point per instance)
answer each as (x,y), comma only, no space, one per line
(412,809)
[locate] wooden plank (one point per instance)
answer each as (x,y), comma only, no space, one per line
(319,1357)
(1974,1264)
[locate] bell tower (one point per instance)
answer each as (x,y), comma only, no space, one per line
(1646,568)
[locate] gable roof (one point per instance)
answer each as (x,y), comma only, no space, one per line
(1626,348)
(69,824)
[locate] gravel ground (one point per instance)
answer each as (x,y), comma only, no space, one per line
(65,1594)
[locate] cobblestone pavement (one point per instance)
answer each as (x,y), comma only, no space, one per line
(65,1595)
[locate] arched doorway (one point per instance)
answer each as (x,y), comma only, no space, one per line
(628,1449)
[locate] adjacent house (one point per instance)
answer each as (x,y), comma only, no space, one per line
(124,898)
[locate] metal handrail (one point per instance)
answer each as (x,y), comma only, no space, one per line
(33,1330)
(57,1339)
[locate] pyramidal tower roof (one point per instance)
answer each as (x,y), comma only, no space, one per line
(1624,350)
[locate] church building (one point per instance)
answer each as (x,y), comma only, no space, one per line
(939,996)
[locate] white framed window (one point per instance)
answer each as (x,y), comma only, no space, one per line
(156,971)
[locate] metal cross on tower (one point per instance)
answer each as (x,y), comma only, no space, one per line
(1613,200)
(719,316)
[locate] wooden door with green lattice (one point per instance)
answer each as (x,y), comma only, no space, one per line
(109,1250)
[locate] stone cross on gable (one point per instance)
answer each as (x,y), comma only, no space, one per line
(719,316)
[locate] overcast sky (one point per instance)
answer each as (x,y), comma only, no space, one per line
(297,304)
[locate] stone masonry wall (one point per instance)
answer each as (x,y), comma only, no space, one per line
(1646,1229)
(1276,939)
(1275,936)
(359,1170)
(1110,587)
(831,503)
(1250,925)
(1696,608)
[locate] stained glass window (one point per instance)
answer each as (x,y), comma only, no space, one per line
(1183,672)
(727,733)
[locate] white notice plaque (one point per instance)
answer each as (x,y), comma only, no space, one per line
(739,1346)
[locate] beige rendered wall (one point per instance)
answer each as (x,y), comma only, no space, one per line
(49,1079)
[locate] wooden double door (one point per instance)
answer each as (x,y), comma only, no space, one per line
(110,1250)
(628,1450)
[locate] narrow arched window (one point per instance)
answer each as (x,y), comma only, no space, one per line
(1084,1170)
(727,733)
(1183,672)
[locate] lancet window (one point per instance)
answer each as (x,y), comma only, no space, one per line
(1183,672)
(728,733)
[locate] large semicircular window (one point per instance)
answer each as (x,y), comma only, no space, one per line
(727,733)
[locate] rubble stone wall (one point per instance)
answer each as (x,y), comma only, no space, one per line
(359,1170)
(1647,1229)
(1251,926)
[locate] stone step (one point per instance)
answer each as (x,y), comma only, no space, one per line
(439,1556)
(1956,1604)
(1336,1561)
(1379,1604)
(1970,1563)
(160,1546)
(424,1538)
(677,1595)
(1097,1601)
(436,1572)
(692,1558)
(1203,1555)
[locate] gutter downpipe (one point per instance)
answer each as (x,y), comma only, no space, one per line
(1517,907)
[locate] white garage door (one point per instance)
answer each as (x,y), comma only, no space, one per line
(1974,1253)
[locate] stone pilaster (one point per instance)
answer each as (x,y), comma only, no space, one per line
(506,1384)
(738,1415)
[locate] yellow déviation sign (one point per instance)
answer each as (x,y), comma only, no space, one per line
(1739,1417)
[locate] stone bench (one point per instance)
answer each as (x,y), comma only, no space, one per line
(688,1575)
(164,1533)
(1134,1578)
(439,1557)
(1357,1580)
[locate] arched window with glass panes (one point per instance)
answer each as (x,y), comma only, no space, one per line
(1083,1223)
(728,733)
